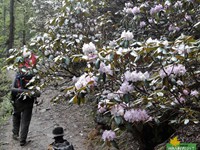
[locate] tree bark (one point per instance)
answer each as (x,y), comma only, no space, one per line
(12,26)
(24,30)
(4,19)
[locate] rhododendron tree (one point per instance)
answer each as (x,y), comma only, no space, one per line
(145,72)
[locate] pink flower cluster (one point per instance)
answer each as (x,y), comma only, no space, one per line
(136,115)
(89,51)
(117,110)
(136,76)
(105,69)
(156,9)
(173,28)
(83,81)
(194,93)
(127,35)
(102,107)
(176,70)
(125,88)
(108,135)
(142,24)
(129,10)
(178,4)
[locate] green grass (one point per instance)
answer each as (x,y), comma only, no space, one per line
(5,109)
(5,105)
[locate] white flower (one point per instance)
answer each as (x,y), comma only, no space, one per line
(89,48)
(121,50)
(179,82)
(127,35)
(167,3)
(112,43)
(128,10)
(178,4)
(113,96)
(26,53)
(128,5)
(182,49)
(151,41)
(89,51)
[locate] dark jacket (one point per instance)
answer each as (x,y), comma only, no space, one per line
(65,145)
(18,87)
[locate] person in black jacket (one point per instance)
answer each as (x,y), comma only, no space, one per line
(60,143)
(22,107)
(22,98)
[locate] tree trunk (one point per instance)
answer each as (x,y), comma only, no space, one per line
(4,19)
(12,26)
(24,30)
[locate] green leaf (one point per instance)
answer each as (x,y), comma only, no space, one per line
(126,44)
(97,64)
(74,100)
(118,120)
(18,59)
(62,20)
(126,97)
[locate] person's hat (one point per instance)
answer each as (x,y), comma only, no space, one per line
(58,131)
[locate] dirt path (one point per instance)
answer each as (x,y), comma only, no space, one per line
(76,121)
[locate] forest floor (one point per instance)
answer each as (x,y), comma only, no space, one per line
(76,121)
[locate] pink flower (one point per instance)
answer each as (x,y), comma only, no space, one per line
(136,10)
(178,4)
(89,51)
(117,110)
(136,76)
(84,79)
(108,135)
(136,115)
(185,92)
(173,28)
(105,69)
(142,24)
(179,70)
(156,9)
(101,107)
(126,88)
(176,70)
(194,93)
(188,18)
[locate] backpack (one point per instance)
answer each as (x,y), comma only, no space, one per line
(62,146)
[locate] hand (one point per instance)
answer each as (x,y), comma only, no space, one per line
(36,93)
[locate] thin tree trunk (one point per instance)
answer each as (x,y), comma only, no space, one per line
(12,26)
(24,30)
(4,19)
